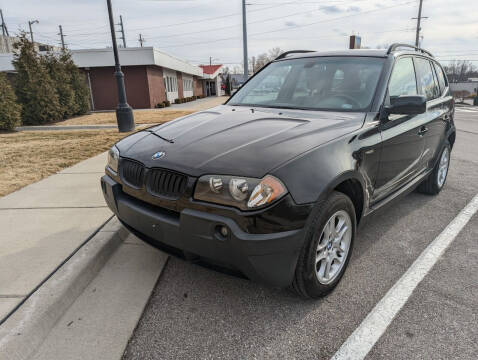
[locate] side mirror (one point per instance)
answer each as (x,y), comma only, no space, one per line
(407,105)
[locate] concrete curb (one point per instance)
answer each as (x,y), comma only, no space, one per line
(25,330)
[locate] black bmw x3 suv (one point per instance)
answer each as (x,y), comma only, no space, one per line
(273,183)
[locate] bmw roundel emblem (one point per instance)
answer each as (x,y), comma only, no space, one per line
(158,155)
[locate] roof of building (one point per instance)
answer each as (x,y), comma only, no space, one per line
(133,56)
(89,58)
(211,71)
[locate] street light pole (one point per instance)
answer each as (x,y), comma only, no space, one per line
(124,113)
(244,40)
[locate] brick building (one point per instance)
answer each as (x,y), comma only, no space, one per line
(151,76)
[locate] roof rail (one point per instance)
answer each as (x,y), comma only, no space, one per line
(393,47)
(283,55)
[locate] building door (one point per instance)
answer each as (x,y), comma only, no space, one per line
(171,85)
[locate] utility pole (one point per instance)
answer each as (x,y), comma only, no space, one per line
(30,23)
(4,26)
(419,18)
(122,31)
(244,40)
(210,60)
(253,64)
(62,37)
(141,40)
(5,32)
(124,113)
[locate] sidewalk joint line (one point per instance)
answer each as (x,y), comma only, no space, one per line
(375,324)
(12,296)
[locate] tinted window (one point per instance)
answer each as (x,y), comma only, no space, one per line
(426,80)
(441,76)
(321,83)
(403,81)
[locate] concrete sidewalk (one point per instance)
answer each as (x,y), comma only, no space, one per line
(43,223)
(63,256)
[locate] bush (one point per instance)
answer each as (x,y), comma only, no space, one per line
(78,84)
(34,87)
(160,105)
(62,81)
(167,103)
(10,111)
(177,101)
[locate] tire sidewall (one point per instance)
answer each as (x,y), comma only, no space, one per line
(336,201)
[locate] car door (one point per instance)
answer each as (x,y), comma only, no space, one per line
(439,114)
(402,138)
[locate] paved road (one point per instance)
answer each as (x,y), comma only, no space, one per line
(198,313)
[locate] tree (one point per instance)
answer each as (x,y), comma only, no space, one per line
(61,77)
(78,84)
(460,70)
(265,58)
(10,111)
(228,85)
(34,87)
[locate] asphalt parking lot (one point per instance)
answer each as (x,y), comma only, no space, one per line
(198,313)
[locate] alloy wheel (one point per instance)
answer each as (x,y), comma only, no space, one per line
(443,167)
(333,247)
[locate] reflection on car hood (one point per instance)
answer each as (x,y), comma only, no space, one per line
(237,140)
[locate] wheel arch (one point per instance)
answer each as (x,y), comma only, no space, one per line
(351,184)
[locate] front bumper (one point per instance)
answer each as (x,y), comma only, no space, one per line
(268,258)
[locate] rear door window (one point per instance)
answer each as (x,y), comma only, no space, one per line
(426,80)
(403,80)
(441,77)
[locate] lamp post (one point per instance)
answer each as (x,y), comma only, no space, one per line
(124,112)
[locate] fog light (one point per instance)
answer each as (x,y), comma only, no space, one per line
(224,231)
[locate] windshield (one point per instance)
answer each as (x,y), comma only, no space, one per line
(321,83)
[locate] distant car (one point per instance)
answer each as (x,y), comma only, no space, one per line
(273,185)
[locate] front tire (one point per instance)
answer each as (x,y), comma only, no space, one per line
(327,248)
(436,180)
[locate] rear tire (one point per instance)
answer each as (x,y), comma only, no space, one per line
(433,184)
(327,248)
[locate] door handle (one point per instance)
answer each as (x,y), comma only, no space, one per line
(423,130)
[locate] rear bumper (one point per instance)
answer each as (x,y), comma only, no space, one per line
(267,258)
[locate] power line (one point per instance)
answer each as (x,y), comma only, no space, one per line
(292,27)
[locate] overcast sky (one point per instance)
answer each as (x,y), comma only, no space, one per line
(197,29)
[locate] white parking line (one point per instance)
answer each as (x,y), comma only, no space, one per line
(361,341)
(473,110)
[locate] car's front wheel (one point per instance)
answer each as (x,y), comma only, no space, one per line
(327,247)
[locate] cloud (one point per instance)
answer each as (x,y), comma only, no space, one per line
(331,9)
(353,9)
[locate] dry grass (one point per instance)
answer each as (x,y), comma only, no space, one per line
(27,157)
(153,116)
(140,117)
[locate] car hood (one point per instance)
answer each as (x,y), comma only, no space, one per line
(233,140)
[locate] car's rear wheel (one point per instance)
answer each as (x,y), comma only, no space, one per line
(436,180)
(327,247)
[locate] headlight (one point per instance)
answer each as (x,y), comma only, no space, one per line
(113,158)
(244,193)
